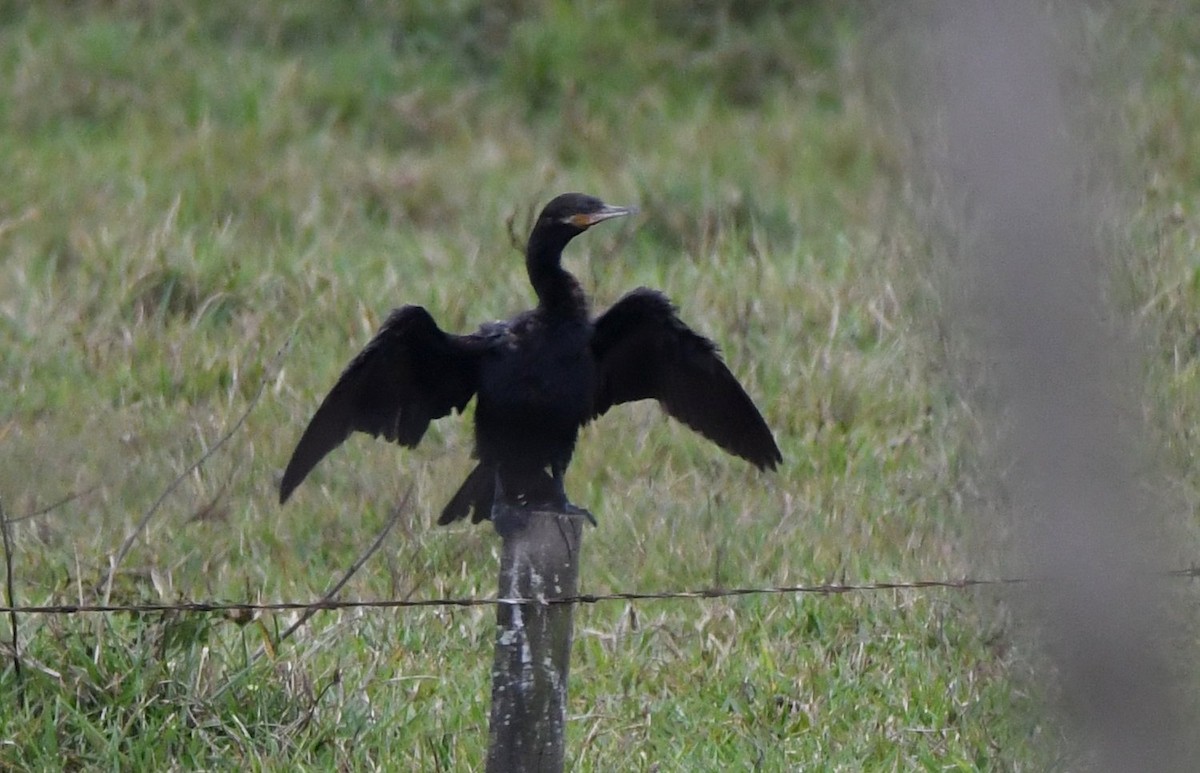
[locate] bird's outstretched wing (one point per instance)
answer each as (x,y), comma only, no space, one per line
(408,375)
(643,350)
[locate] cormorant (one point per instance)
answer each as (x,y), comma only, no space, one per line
(538,378)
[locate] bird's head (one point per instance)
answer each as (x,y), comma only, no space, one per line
(570,214)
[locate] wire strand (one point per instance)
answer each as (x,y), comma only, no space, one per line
(825,589)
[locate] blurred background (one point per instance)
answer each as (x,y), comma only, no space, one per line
(208,209)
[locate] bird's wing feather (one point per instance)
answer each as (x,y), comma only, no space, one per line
(409,374)
(643,350)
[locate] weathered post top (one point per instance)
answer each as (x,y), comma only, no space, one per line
(539,561)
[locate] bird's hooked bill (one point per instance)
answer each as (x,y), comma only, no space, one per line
(607,212)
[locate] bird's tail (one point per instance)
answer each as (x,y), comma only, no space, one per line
(476,493)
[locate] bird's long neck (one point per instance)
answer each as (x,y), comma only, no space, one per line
(558,292)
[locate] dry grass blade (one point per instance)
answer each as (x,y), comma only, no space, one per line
(65,500)
(119,556)
(400,508)
(8,588)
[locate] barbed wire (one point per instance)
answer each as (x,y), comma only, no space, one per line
(243,607)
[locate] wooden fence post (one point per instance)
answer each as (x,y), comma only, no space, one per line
(539,560)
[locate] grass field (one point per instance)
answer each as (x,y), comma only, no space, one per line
(206,200)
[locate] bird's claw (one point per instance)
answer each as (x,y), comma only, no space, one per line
(575,511)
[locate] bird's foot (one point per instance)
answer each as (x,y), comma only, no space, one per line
(575,512)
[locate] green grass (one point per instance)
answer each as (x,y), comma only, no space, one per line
(189,187)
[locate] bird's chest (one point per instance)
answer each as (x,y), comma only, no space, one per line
(544,373)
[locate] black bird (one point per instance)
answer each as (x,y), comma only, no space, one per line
(538,378)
